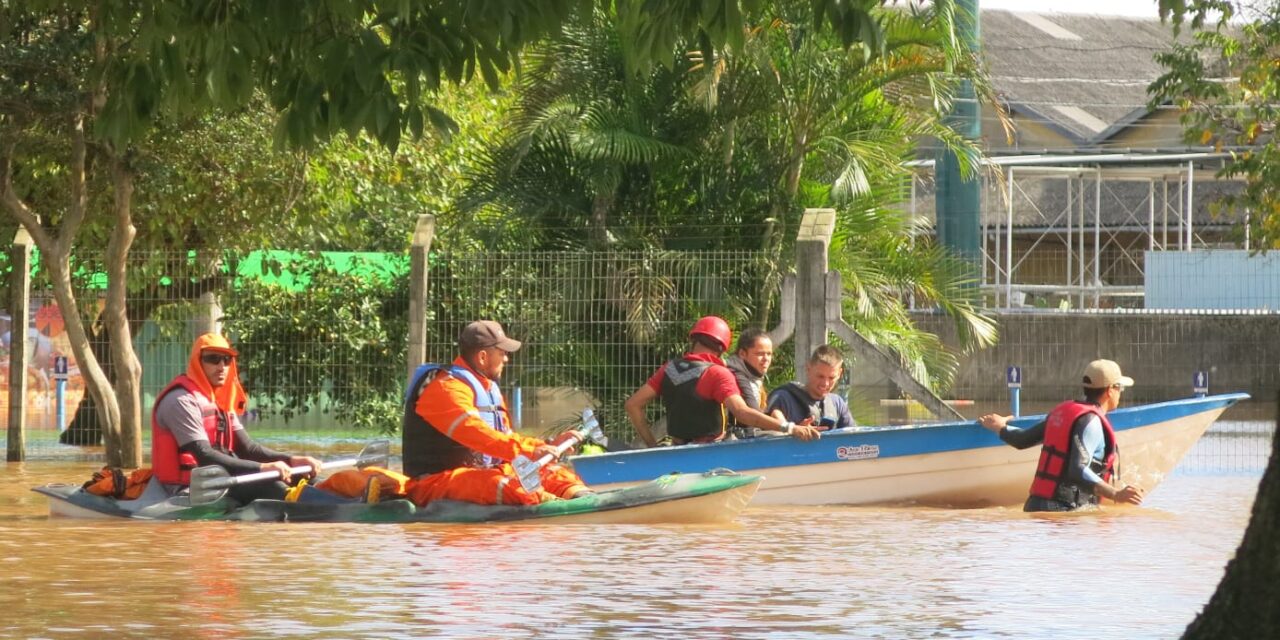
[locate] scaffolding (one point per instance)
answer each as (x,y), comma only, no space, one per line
(1096,230)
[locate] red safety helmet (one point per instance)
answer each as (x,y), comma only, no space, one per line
(713,327)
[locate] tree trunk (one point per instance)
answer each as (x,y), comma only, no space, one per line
(55,256)
(86,426)
(128,371)
(1244,605)
(96,382)
(600,206)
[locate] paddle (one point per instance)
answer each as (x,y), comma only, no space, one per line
(209,483)
(528,471)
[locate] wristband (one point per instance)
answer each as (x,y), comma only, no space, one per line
(786,427)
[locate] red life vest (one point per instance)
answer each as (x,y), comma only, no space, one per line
(1057,445)
(169,464)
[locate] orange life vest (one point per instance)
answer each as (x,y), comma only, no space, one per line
(170,465)
(1057,446)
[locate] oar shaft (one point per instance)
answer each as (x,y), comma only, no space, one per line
(572,441)
(267,475)
(529,477)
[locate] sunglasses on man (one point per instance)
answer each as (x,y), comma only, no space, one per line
(216,358)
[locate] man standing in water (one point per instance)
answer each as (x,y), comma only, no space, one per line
(1078,455)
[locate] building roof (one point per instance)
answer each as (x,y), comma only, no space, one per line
(1085,76)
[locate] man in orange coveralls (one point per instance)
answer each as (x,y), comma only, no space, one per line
(458,440)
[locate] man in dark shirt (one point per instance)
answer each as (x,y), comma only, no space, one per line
(812,402)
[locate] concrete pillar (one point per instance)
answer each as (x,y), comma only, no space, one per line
(19,348)
(812,243)
(418,273)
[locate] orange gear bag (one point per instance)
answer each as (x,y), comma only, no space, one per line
(112,482)
(353,483)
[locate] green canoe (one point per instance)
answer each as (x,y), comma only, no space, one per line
(711,497)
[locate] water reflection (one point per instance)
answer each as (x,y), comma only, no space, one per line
(869,572)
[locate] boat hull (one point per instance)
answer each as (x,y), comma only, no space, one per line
(957,464)
(672,498)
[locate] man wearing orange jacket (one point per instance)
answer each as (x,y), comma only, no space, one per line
(458,440)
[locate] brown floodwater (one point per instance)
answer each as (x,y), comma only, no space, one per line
(875,572)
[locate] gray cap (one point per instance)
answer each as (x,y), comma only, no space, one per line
(484,334)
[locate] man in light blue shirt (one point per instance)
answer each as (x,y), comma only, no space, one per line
(1079,454)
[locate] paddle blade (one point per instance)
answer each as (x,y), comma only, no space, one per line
(528,472)
(591,429)
(375,454)
(208,484)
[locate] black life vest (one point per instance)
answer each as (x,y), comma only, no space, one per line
(818,410)
(427,449)
(1049,482)
(751,385)
(689,416)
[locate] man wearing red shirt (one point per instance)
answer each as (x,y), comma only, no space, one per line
(697,388)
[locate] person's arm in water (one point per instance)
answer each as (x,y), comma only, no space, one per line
(1087,444)
(1013,436)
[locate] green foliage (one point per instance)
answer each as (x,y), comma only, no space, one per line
(373,198)
(357,65)
(1225,84)
(336,344)
(724,150)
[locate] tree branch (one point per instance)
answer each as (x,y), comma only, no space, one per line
(16,207)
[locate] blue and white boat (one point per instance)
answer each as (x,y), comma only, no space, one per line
(952,464)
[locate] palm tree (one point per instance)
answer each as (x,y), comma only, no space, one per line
(715,150)
(845,121)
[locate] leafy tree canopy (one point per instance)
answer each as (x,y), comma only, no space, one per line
(1225,84)
(357,65)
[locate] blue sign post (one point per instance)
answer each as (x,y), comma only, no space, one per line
(1013,376)
(1200,383)
(60,378)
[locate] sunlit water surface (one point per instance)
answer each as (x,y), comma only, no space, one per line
(883,572)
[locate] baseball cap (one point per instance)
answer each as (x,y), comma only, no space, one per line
(483,334)
(216,343)
(1101,374)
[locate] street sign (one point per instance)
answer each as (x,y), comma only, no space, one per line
(1013,376)
(1200,382)
(60,368)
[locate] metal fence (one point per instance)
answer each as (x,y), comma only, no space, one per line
(595,325)
(322,342)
